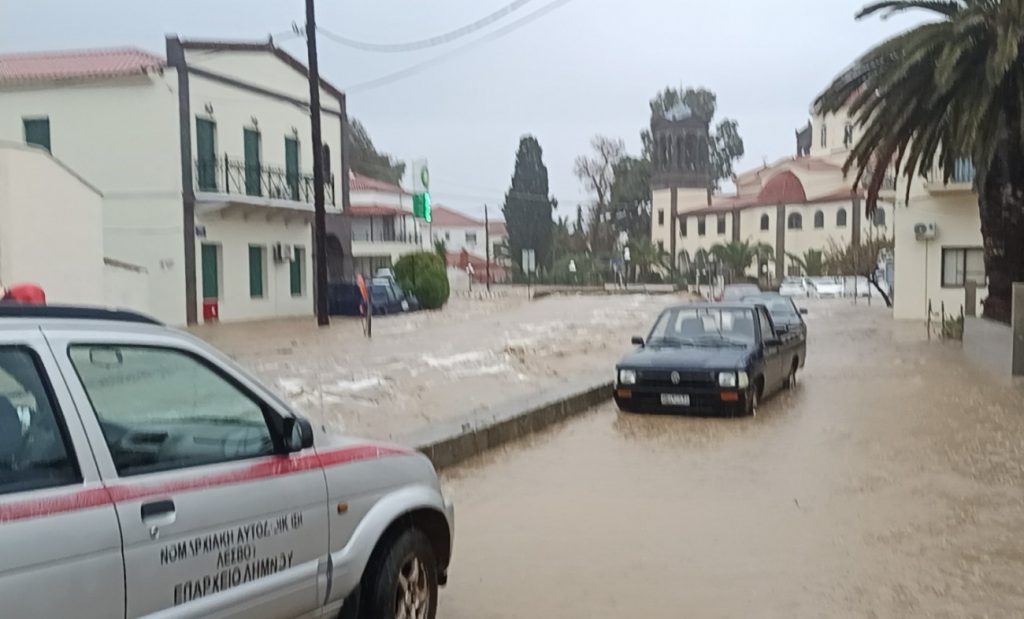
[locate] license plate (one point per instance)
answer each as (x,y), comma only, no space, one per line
(675,399)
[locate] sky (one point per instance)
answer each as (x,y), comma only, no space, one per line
(586,67)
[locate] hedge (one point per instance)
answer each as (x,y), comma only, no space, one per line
(426,276)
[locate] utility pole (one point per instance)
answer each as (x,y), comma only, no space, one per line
(323,317)
(487,247)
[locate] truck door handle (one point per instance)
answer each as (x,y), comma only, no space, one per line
(157,508)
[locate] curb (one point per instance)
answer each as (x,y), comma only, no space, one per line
(452,442)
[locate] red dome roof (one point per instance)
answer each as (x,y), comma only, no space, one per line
(783,188)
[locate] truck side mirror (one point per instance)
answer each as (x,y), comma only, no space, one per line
(637,341)
(296,434)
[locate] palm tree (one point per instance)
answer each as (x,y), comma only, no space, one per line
(646,255)
(812,262)
(939,92)
(734,256)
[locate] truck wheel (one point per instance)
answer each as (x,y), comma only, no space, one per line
(401,580)
(753,399)
(790,381)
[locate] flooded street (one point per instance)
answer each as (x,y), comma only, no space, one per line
(890,483)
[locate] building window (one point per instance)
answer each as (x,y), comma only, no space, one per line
(824,135)
(210,259)
(819,219)
(661,218)
(253,166)
(962,265)
(721,224)
(879,220)
(682,226)
(291,166)
(841,218)
(297,271)
(257,270)
(795,221)
(701,227)
(766,222)
(37,131)
(447,235)
(206,154)
(661,246)
(471,238)
(848,135)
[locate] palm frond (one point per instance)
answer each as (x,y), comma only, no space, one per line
(891,7)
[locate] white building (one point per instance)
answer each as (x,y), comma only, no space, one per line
(794,205)
(462,232)
(383,228)
(203,160)
(32,230)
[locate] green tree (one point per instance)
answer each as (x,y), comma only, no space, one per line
(735,257)
(597,173)
(425,274)
(441,249)
(630,197)
(812,262)
(365,159)
(647,258)
(528,208)
(726,145)
(943,90)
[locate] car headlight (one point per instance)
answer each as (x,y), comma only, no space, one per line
(627,377)
(744,380)
(727,379)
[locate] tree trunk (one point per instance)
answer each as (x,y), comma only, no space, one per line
(1001,206)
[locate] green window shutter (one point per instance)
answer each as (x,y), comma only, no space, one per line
(291,167)
(297,269)
(211,271)
(206,156)
(37,131)
(253,166)
(256,271)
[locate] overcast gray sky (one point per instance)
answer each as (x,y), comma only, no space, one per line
(587,67)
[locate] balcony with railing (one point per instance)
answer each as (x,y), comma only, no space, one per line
(961,179)
(236,177)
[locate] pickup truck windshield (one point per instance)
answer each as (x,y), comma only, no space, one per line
(704,327)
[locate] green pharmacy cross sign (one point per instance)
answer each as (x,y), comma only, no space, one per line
(421,197)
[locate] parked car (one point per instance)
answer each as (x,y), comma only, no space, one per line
(794,287)
(142,473)
(392,299)
(708,358)
(786,316)
(825,287)
(735,292)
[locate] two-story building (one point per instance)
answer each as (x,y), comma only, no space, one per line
(203,160)
(461,232)
(383,228)
(793,205)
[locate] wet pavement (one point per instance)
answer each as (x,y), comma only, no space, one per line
(421,368)
(890,483)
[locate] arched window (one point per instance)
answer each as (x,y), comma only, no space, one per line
(766,222)
(819,219)
(841,218)
(879,218)
(824,135)
(795,221)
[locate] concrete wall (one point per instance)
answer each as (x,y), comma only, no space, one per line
(51,227)
(121,135)
(233,236)
(125,286)
(988,345)
(919,264)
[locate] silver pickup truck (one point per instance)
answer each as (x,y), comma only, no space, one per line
(143,474)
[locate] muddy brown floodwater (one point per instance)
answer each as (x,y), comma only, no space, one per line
(890,483)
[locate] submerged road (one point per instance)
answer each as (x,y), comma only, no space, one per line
(890,483)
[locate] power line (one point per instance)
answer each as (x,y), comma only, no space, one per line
(496,34)
(440,39)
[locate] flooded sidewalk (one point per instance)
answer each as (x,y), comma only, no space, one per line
(890,483)
(476,353)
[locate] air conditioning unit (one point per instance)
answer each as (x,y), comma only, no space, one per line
(283,252)
(925,232)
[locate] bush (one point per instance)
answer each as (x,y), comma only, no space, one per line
(425,275)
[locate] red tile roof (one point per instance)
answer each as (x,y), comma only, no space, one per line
(459,260)
(82,64)
(358,182)
(783,188)
(444,216)
(498,228)
(375,210)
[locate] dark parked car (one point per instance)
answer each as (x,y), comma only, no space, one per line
(734,292)
(787,317)
(406,300)
(708,358)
